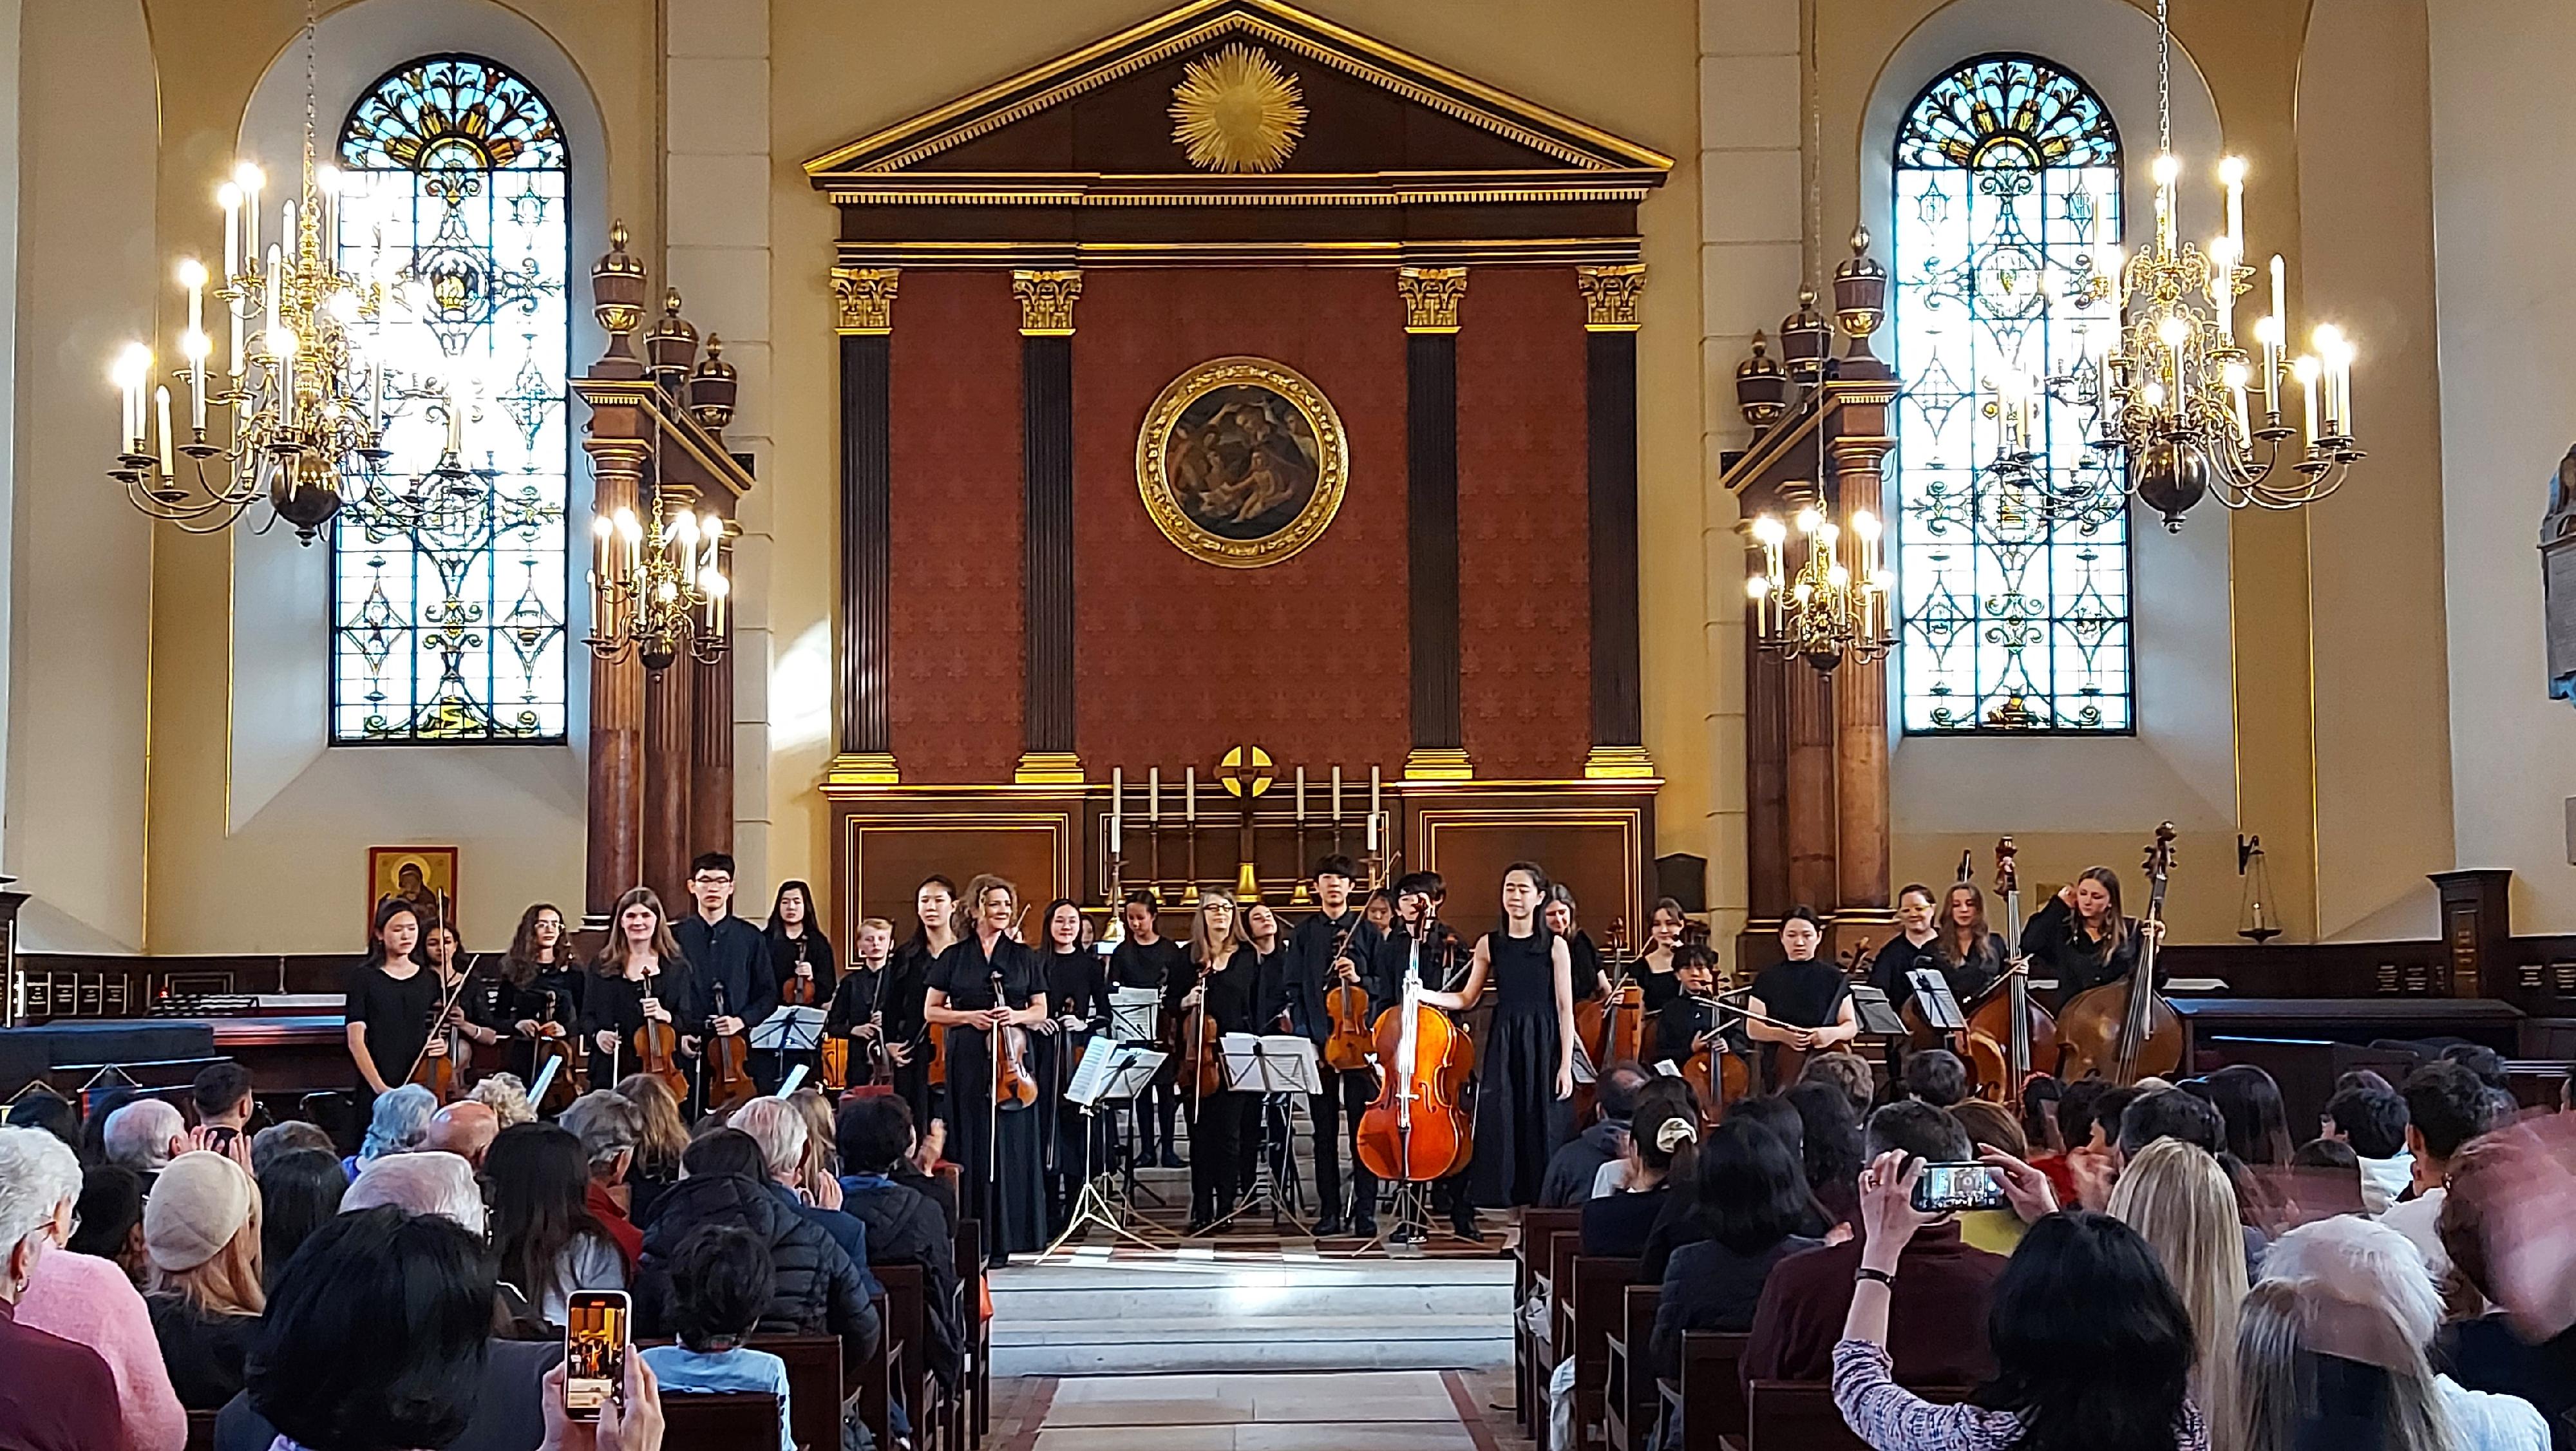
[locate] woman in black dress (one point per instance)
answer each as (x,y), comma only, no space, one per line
(638,975)
(475,1016)
(996,1145)
(1655,965)
(1812,997)
(1525,1068)
(2080,938)
(538,984)
(1222,986)
(1588,982)
(1077,994)
(1972,954)
(908,1040)
(391,999)
(801,958)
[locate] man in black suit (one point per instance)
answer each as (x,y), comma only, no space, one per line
(728,958)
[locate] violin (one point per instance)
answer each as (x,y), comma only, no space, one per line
(1416,1129)
(553,1045)
(1198,1043)
(1014,1086)
(444,1073)
(797,989)
(2008,1030)
(1346,1003)
(2125,1030)
(657,1046)
(728,1068)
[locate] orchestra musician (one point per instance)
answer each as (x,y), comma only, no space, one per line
(1146,959)
(1811,997)
(1525,1069)
(1655,965)
(996,1145)
(899,1002)
(2081,937)
(1323,951)
(724,951)
(391,1000)
(473,1014)
(1418,935)
(537,983)
(1077,994)
(1273,1130)
(639,974)
(801,962)
(1588,980)
(856,998)
(1219,984)
(1689,1022)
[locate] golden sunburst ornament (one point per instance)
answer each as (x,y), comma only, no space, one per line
(1237,110)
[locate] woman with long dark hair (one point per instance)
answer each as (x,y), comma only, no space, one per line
(909,1042)
(2080,936)
(391,998)
(1525,1068)
(1831,1147)
(1750,1198)
(543,1235)
(299,1192)
(2093,1349)
(539,983)
(800,956)
(1077,993)
(980,989)
(2249,1102)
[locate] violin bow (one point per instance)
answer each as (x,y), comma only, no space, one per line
(438,1018)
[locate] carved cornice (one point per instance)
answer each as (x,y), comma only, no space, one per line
(863,300)
(1610,296)
(1046,301)
(1431,296)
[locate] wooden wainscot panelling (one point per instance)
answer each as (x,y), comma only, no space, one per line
(886,841)
(1591,836)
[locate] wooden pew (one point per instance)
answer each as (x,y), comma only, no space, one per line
(1551,1344)
(906,1307)
(879,1379)
(1709,1395)
(725,1421)
(814,1386)
(201,1430)
(1529,1275)
(1589,1304)
(1628,1410)
(1800,1416)
(974,1383)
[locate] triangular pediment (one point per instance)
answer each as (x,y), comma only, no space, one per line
(1365,124)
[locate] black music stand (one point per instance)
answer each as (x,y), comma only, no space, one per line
(1932,999)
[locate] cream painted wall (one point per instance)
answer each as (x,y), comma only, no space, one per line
(2504,134)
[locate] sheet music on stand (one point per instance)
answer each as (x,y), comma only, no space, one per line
(1270,1063)
(790,1028)
(1110,1071)
(1135,1013)
(1932,999)
(1877,1018)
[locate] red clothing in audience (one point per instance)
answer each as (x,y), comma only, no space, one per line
(2061,1176)
(603,1207)
(55,1396)
(1936,1315)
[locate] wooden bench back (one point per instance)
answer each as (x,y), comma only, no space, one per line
(726,1421)
(1801,1416)
(1712,1391)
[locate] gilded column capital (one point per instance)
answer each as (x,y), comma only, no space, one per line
(1046,301)
(1431,296)
(1610,296)
(863,300)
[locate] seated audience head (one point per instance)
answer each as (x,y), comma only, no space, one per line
(539,1180)
(2249,1107)
(110,1216)
(1849,1072)
(2039,1097)
(2485,1062)
(396,1123)
(1666,1093)
(1937,1077)
(422,1183)
(2370,1118)
(375,1337)
(98,1108)
(2336,1333)
(874,1133)
(299,1191)
(721,1281)
(1830,1145)
(1616,1093)
(2179,1199)
(42,1108)
(1749,1192)
(464,1128)
(1927,1133)
(2447,1105)
(2324,1179)
(664,1132)
(1991,1126)
(506,1096)
(2092,1347)
(2073,1114)
(2490,1178)
(1776,1114)
(222,1094)
(277,1139)
(822,1158)
(2362,1078)
(724,1151)
(145,1135)
(201,1226)
(2108,1109)
(2170,1113)
(778,1128)
(609,1126)
(40,1185)
(1663,1140)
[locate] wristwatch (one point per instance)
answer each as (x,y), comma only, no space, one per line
(1884,1277)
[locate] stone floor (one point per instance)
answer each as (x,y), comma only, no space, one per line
(1317,1411)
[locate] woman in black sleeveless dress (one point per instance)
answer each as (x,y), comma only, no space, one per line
(1525,1068)
(1002,1186)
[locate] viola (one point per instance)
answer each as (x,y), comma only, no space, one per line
(2125,1030)
(1416,1130)
(1612,1028)
(729,1084)
(444,1073)
(1198,1043)
(799,988)
(2008,1030)
(553,1045)
(1346,1003)
(657,1047)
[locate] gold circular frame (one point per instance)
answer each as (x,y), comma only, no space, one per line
(1332,463)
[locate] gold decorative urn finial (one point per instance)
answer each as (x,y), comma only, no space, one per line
(1237,110)
(712,388)
(671,346)
(617,288)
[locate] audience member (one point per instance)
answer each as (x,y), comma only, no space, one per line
(609,1126)
(2071,1129)
(394,1125)
(1660,1145)
(101,1105)
(420,1183)
(2170,1113)
(1571,1170)
(2325,1179)
(1750,1197)
(42,1108)
(2250,1113)
(1831,1145)
(725,1181)
(2487,1351)
(1848,1071)
(2344,1355)
(779,1128)
(1664,1092)
(721,1281)
(299,1191)
(2372,1118)
(543,1235)
(2180,1201)
(222,1097)
(109,1219)
(464,1128)
(2039,1100)
(58,1394)
(661,1138)
(277,1139)
(91,1302)
(904,1227)
(2485,1062)
(1781,1117)
(1937,1077)
(2446,1106)
(1991,1126)
(145,1135)
(506,1096)
(202,1227)
(1941,1296)
(818,1174)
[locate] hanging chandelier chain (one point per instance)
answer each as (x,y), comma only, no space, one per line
(2164,81)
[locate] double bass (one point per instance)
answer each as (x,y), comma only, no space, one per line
(2008,1031)
(2124,1031)
(1416,1130)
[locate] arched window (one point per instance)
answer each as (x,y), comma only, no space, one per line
(2007,202)
(454,193)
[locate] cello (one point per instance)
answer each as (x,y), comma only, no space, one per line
(1612,1029)
(728,1067)
(1717,1075)
(1415,1130)
(2008,1030)
(2125,1030)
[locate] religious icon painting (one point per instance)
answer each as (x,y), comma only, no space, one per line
(424,876)
(1242,462)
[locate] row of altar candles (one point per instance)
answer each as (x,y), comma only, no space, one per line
(1190,800)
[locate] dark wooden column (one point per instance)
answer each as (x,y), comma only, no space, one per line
(1861,790)
(1431,296)
(1046,463)
(1610,422)
(614,860)
(863,303)
(1766,766)
(670,741)
(1809,715)
(711,739)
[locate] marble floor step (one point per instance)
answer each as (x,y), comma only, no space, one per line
(1234,1292)
(1209,1330)
(1318,1342)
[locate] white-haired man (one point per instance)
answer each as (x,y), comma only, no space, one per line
(424,1182)
(780,1131)
(57,1395)
(145,1136)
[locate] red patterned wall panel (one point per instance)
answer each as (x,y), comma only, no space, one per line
(1176,660)
(956,673)
(1524,609)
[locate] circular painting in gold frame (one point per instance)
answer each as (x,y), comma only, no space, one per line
(1242,462)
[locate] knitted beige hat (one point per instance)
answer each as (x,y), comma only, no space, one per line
(196,1206)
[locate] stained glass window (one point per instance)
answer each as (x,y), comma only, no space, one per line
(2015,613)
(454,196)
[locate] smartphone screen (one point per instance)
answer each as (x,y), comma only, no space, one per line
(1947,1187)
(595,1330)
